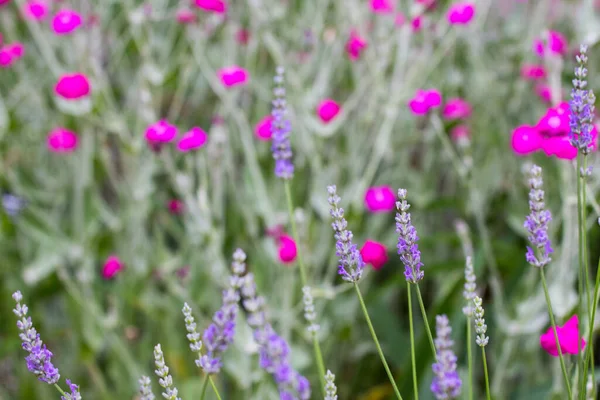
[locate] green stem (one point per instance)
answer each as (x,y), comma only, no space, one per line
(316,345)
(485,371)
(412,342)
(588,350)
(470,357)
(60,390)
(212,383)
(425,321)
(560,355)
(374,335)
(204,386)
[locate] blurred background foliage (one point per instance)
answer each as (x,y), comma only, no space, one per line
(111,195)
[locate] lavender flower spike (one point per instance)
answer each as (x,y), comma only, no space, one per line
(351,262)
(537,221)
(408,249)
(39,360)
(74,395)
(165,380)
(330,388)
(446,381)
(145,388)
(582,106)
(281,128)
(470,287)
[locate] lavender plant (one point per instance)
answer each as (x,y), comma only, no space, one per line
(446,382)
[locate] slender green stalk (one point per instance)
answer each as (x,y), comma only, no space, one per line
(588,350)
(316,345)
(204,386)
(212,383)
(60,390)
(485,372)
(412,342)
(470,357)
(374,335)
(425,321)
(560,355)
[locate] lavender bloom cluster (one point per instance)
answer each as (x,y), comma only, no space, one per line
(146,388)
(351,263)
(582,107)
(219,335)
(408,249)
(74,395)
(537,221)
(164,379)
(470,287)
(274,352)
(281,128)
(446,382)
(39,360)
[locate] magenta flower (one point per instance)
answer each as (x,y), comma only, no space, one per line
(327,110)
(61,140)
(460,134)
(186,16)
(242,36)
(72,86)
(161,132)
(355,45)
(176,206)
(526,140)
(554,43)
(262,130)
(424,101)
(195,138)
(380,199)
(66,21)
(417,23)
(215,6)
(3,2)
(559,146)
(6,59)
(544,92)
(555,121)
(374,253)
(382,6)
(287,249)
(35,10)
(10,53)
(456,108)
(112,266)
(568,338)
(533,71)
(461,13)
(233,76)
(400,19)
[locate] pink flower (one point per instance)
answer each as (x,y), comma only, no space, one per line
(185,16)
(355,45)
(543,90)
(382,6)
(3,2)
(327,110)
(533,71)
(425,100)
(6,59)
(262,130)
(374,253)
(287,249)
(417,23)
(72,86)
(176,206)
(456,108)
(61,140)
(380,199)
(556,44)
(460,134)
(195,138)
(10,53)
(66,21)
(242,36)
(35,10)
(215,6)
(233,76)
(568,338)
(559,146)
(461,13)
(400,19)
(112,266)
(161,132)
(555,121)
(526,140)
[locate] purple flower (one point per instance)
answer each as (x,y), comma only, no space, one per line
(281,128)
(446,381)
(164,379)
(351,263)
(145,388)
(39,360)
(537,221)
(74,395)
(582,107)
(274,352)
(408,249)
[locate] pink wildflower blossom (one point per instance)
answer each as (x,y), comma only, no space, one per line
(233,76)
(327,110)
(72,86)
(66,21)
(195,138)
(215,6)
(262,130)
(461,13)
(424,100)
(568,338)
(456,108)
(380,199)
(355,45)
(112,266)
(61,140)
(36,10)
(287,249)
(374,253)
(161,132)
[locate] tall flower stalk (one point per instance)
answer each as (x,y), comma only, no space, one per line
(482,340)
(538,255)
(284,169)
(351,266)
(446,382)
(468,310)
